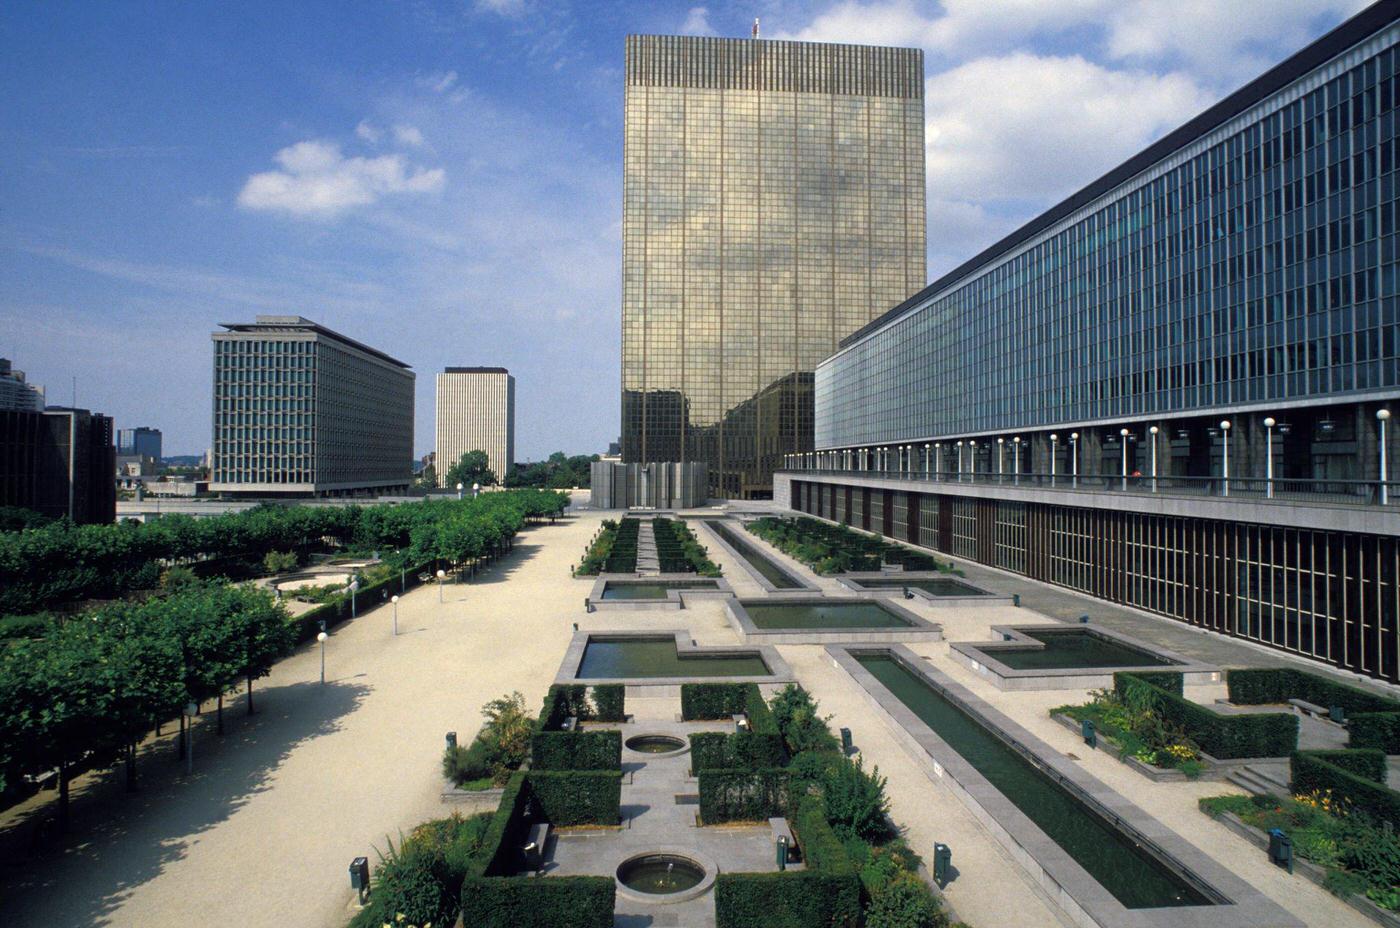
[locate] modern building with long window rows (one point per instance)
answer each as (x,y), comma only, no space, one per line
(1173,389)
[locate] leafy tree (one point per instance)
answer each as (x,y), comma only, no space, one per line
(472,467)
(17,519)
(428,478)
(276,562)
(856,803)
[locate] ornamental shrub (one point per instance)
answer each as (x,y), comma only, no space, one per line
(905,902)
(577,797)
(803,729)
(413,881)
(1222,736)
(1280,684)
(747,750)
(576,750)
(856,804)
(1378,730)
(743,795)
(1314,772)
(553,902)
(475,762)
(610,702)
(709,701)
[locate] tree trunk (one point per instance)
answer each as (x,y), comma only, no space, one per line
(131,767)
(180,741)
(63,797)
(220,726)
(250,695)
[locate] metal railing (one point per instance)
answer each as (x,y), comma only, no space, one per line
(1253,489)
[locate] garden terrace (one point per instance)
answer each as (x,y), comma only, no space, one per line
(811,620)
(764,570)
(678,551)
(657,662)
(663,591)
(1373,721)
(1048,657)
(836,549)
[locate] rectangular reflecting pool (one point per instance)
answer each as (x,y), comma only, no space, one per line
(1075,649)
(760,562)
(818,614)
(936,586)
(614,590)
(626,658)
(1130,872)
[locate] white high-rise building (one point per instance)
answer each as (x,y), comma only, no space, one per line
(476,412)
(16,392)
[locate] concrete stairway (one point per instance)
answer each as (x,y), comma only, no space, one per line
(1268,778)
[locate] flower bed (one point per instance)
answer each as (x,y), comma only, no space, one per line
(678,551)
(835,549)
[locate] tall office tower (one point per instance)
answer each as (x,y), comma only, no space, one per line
(60,462)
(142,441)
(773,204)
(16,392)
(1173,390)
(475,412)
(302,410)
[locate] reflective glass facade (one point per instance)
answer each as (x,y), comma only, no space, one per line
(773,204)
(1251,260)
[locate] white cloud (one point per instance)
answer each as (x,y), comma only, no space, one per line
(317,181)
(697,22)
(369,133)
(502,7)
(408,135)
(438,81)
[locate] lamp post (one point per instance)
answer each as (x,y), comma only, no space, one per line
(1123,440)
(1225,462)
(937,459)
(1016,459)
(1153,432)
(321,637)
(191,710)
(1054,453)
(442,575)
(1001,450)
(395,601)
(1074,457)
(460,488)
(354,588)
(476,490)
(960,456)
(1269,423)
(972,458)
(928,461)
(1383,416)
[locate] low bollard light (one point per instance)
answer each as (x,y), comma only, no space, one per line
(359,877)
(1084,619)
(1337,714)
(451,740)
(908,593)
(845,741)
(1016,600)
(1280,849)
(782,850)
(1091,737)
(942,864)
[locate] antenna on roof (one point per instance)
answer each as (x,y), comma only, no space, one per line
(755,27)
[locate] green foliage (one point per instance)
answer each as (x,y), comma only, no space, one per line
(556,902)
(1280,684)
(414,881)
(831,549)
(1377,730)
(1314,771)
(622,556)
(26,626)
(1168,680)
(710,701)
(1222,736)
(510,727)
(19,519)
(598,551)
(747,750)
(743,795)
(471,468)
(856,802)
(1367,764)
(905,902)
(577,797)
(563,701)
(560,471)
(576,750)
(802,726)
(610,702)
(276,562)
(476,762)
(679,551)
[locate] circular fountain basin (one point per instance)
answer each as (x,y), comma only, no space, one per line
(665,875)
(658,745)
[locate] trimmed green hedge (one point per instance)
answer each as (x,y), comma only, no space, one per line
(1251,687)
(577,797)
(576,750)
(743,795)
(1163,680)
(1369,765)
(708,701)
(1318,770)
(716,750)
(562,701)
(610,702)
(1378,730)
(500,848)
(827,893)
(550,902)
(1273,734)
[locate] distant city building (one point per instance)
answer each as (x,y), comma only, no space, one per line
(302,410)
(142,441)
(773,203)
(475,412)
(59,462)
(426,461)
(1174,390)
(647,486)
(16,392)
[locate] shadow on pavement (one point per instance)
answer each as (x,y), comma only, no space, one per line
(119,840)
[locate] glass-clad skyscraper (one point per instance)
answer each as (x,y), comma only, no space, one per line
(1178,381)
(773,204)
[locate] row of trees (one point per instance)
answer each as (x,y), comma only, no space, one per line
(86,694)
(557,472)
(61,562)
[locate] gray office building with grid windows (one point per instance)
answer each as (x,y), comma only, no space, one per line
(301,410)
(1173,389)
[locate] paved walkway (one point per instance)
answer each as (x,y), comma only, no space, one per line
(263,833)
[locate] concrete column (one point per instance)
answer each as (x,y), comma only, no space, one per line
(1090,452)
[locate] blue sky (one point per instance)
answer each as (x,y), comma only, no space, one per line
(443,179)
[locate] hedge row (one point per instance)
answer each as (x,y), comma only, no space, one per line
(1252,687)
(715,750)
(572,700)
(555,902)
(1221,736)
(500,848)
(1319,771)
(827,893)
(576,750)
(577,797)
(1377,730)
(1163,680)
(744,795)
(610,702)
(1369,765)
(709,701)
